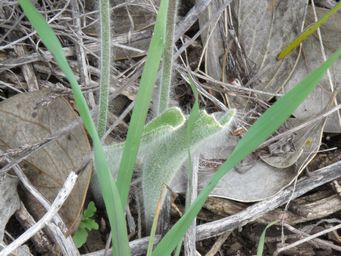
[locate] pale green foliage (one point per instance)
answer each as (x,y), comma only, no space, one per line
(87,224)
(261,242)
(163,124)
(162,102)
(104,13)
(163,159)
(164,149)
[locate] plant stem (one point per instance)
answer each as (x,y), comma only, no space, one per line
(167,64)
(104,13)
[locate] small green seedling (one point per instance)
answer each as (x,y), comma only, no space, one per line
(262,238)
(87,224)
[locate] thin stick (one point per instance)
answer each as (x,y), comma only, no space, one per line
(208,23)
(138,247)
(316,179)
(300,126)
(217,245)
(80,52)
(118,120)
(56,205)
(224,85)
(192,192)
(33,148)
(321,243)
(307,239)
(35,32)
(193,15)
(324,57)
(215,228)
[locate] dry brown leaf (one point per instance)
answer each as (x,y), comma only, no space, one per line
(24,120)
(320,98)
(9,200)
(251,181)
(264,28)
(296,147)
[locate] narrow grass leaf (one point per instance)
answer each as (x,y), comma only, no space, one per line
(268,123)
(193,117)
(178,249)
(108,187)
(142,102)
(260,247)
(307,32)
(155,220)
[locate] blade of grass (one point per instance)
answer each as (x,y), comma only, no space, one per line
(193,116)
(142,102)
(269,122)
(307,32)
(260,247)
(178,249)
(108,187)
(155,220)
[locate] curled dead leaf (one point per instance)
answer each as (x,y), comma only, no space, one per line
(24,120)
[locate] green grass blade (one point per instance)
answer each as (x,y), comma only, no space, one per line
(307,32)
(260,247)
(142,102)
(268,123)
(108,187)
(178,249)
(193,116)
(155,220)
